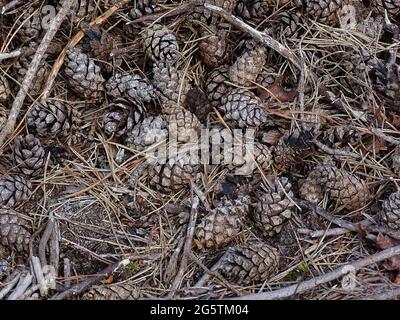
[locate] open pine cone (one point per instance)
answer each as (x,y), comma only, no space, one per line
(392,6)
(29,155)
(221,225)
(51,118)
(213,46)
(144,7)
(4,89)
(325,11)
(160,44)
(14,230)
(389,215)
(341,186)
(116,291)
(274,207)
(130,86)
(217,85)
(83,74)
(14,190)
(253,11)
(251,263)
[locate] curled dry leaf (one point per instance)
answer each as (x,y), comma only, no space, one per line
(385,242)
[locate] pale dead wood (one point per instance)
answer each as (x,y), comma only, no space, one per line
(10,55)
(335,152)
(325,278)
(385,295)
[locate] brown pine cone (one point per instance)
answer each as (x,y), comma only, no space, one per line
(251,263)
(14,190)
(249,64)
(5,91)
(182,124)
(274,207)
(392,6)
(204,15)
(176,172)
(160,44)
(51,118)
(395,165)
(123,115)
(14,230)
(291,148)
(243,109)
(341,136)
(288,25)
(254,11)
(83,74)
(130,86)
(169,83)
(389,215)
(345,188)
(222,224)
(197,103)
(325,11)
(217,85)
(82,10)
(3,116)
(213,45)
(29,155)
(267,77)
(32,27)
(150,132)
(143,8)
(387,81)
(116,291)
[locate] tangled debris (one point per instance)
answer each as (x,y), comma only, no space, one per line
(202,149)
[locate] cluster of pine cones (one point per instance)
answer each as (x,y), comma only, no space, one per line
(145,94)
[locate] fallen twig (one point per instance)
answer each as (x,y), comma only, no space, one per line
(10,55)
(335,152)
(187,247)
(330,276)
(323,233)
(8,6)
(385,295)
(385,137)
(10,283)
(31,73)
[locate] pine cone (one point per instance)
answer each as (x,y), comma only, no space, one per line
(14,190)
(390,212)
(123,115)
(169,83)
(251,263)
(5,91)
(267,77)
(29,155)
(51,118)
(160,44)
(274,207)
(206,16)
(243,108)
(14,230)
(222,224)
(82,10)
(197,103)
(32,28)
(178,171)
(387,80)
(249,64)
(83,74)
(130,86)
(217,85)
(143,8)
(342,186)
(291,148)
(213,45)
(341,136)
(182,124)
(117,291)
(254,11)
(395,165)
(392,6)
(325,11)
(3,116)
(4,267)
(288,25)
(151,131)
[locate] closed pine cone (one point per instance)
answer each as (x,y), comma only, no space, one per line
(177,172)
(29,155)
(151,131)
(3,116)
(117,291)
(325,11)
(288,25)
(222,224)
(160,44)
(183,125)
(213,45)
(84,75)
(249,64)
(387,81)
(251,263)
(342,186)
(392,6)
(14,190)
(130,86)
(14,230)
(169,83)
(51,118)
(4,89)
(395,165)
(253,11)
(291,148)
(341,136)
(274,207)
(217,85)
(243,109)
(390,212)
